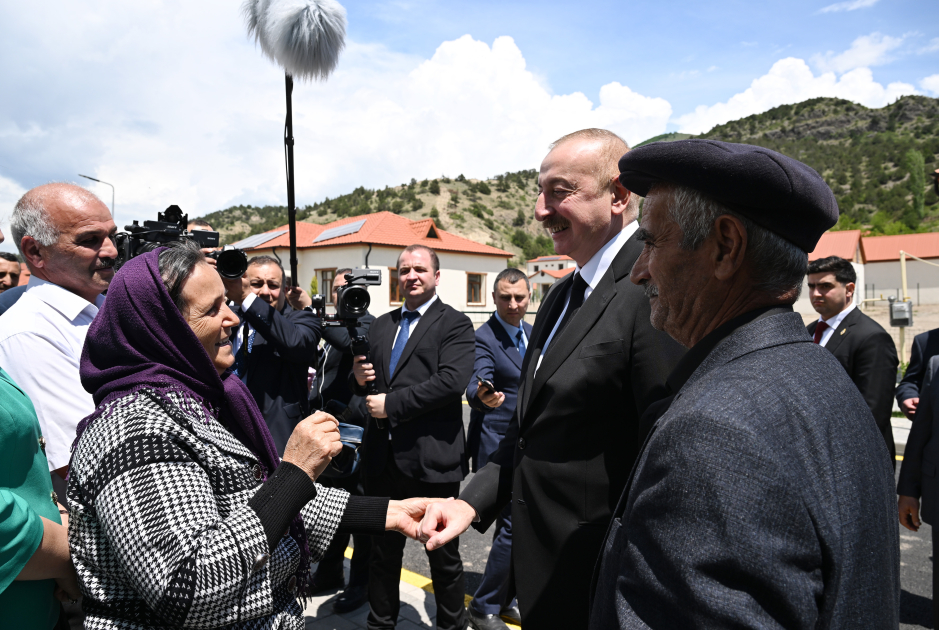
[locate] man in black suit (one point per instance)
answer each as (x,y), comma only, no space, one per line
(925,347)
(501,344)
(593,365)
(860,344)
(421,359)
(274,346)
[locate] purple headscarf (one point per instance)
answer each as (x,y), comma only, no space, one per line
(139,340)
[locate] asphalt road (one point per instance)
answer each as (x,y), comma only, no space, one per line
(916,564)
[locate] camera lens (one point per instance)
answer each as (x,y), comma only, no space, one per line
(231,263)
(353,302)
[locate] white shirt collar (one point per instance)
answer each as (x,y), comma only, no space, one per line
(61,299)
(601,261)
(422,308)
(835,321)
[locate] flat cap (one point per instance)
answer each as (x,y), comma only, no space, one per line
(774,191)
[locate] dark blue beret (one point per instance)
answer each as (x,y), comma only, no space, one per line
(774,191)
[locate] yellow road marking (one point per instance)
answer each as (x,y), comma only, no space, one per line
(899,458)
(423,583)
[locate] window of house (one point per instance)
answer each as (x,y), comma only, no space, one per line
(474,288)
(326,284)
(394,292)
(536,268)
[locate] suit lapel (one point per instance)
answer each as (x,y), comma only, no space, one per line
(422,325)
(842,331)
(506,341)
(551,309)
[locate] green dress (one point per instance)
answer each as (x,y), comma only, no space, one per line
(25,496)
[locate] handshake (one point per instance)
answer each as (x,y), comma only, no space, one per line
(434,522)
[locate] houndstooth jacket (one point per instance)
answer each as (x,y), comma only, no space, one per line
(160,528)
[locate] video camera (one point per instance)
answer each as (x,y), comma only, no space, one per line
(170,227)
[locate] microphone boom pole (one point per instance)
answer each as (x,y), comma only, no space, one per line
(291,199)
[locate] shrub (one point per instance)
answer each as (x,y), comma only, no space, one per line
(434,188)
(483,188)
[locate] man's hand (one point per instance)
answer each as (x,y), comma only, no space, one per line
(313,444)
(445,521)
(363,371)
(908,407)
(236,289)
(298,299)
(376,405)
(405,516)
(909,512)
(490,398)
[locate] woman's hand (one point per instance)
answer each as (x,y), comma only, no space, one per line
(313,444)
(66,586)
(405,516)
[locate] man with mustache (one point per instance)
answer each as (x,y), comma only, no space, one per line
(64,233)
(592,366)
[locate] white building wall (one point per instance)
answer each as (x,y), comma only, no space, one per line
(922,280)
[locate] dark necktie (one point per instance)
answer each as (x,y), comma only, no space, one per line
(819,331)
(578,288)
(402,340)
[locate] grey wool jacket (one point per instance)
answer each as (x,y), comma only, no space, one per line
(763,498)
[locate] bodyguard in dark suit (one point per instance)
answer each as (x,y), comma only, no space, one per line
(925,347)
(593,365)
(501,344)
(918,476)
(421,359)
(762,497)
(861,345)
(277,345)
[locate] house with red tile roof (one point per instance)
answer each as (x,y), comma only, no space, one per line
(541,282)
(881,255)
(555,261)
(467,269)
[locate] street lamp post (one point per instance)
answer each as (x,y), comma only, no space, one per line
(112,192)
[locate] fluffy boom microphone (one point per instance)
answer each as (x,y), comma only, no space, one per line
(305,37)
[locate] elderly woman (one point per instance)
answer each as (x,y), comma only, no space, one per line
(182,514)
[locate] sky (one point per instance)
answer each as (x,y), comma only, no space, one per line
(173,103)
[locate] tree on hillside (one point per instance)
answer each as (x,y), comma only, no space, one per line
(434,188)
(916,165)
(520,219)
(483,187)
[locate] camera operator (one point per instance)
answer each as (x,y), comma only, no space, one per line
(332,384)
(275,345)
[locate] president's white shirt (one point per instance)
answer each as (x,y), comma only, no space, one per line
(41,340)
(592,272)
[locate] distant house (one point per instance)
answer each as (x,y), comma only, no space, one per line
(549,262)
(542,281)
(467,269)
(876,259)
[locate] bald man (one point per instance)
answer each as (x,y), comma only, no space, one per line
(63,232)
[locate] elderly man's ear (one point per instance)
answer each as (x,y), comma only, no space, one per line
(730,246)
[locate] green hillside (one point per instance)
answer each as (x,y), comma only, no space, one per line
(665,137)
(497,211)
(875,160)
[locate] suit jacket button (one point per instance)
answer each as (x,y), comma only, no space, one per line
(257,471)
(292,585)
(260,561)
(521,444)
(55,497)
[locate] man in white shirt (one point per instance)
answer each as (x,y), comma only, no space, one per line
(64,233)
(860,344)
(592,366)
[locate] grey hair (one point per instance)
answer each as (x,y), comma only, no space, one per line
(176,264)
(30,218)
(512,275)
(777,266)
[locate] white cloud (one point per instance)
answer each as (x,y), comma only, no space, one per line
(173,104)
(930,84)
(849,5)
(932,46)
(791,81)
(865,51)
(10,193)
